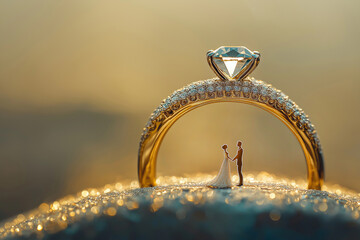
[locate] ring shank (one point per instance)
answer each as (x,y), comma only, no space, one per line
(159,126)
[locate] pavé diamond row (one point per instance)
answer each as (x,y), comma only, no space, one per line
(250,88)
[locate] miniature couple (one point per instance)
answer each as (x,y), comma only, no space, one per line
(223,179)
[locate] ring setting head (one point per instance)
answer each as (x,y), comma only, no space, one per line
(233,63)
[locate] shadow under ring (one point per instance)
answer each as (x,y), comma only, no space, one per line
(248,91)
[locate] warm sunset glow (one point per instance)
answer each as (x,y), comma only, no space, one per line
(79,79)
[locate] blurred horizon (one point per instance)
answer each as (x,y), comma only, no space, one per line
(79,79)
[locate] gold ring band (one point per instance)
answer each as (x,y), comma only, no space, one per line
(249,91)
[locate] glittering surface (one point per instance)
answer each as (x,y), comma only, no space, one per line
(266,207)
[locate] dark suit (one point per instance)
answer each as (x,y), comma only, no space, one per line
(239,165)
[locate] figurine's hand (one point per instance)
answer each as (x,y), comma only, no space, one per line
(227,155)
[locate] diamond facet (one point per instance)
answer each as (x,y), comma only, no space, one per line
(230,61)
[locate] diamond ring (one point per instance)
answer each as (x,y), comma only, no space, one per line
(232,65)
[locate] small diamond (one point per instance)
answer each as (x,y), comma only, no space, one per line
(157,112)
(274,95)
(270,90)
(211,88)
(201,89)
(192,90)
(183,95)
(255,89)
(263,91)
(237,88)
(175,99)
(148,123)
(303,118)
(245,89)
(228,88)
(246,83)
(210,81)
(146,130)
(289,105)
(311,127)
(281,98)
(219,88)
(166,104)
(296,113)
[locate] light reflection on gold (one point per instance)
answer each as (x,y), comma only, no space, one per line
(188,190)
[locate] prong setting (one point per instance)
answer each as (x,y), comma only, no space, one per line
(233,63)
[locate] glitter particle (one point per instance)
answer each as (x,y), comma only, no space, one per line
(39,227)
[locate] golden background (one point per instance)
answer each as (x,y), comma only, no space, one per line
(79,79)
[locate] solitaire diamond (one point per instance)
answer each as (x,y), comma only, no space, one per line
(232,61)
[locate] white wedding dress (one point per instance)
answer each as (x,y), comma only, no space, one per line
(223,179)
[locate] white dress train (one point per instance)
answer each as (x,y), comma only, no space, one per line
(223,179)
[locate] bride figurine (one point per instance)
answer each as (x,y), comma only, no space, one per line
(223,179)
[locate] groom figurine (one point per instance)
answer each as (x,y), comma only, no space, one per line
(238,159)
